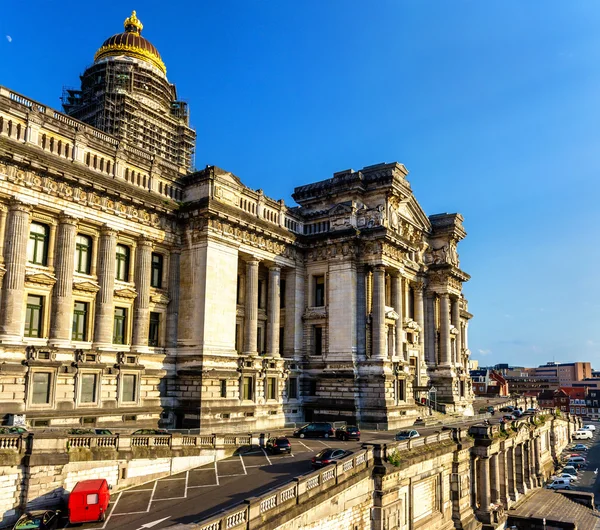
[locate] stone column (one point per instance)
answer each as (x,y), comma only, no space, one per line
(274,311)
(3,213)
(430,331)
(456,324)
(484,483)
(62,294)
(361,310)
(397,303)
(504,492)
(408,311)
(538,459)
(251,308)
(378,313)
(94,262)
(141,305)
(495,478)
(17,236)
(511,473)
(51,245)
(173,307)
(520,484)
(419,310)
(369,293)
(445,329)
(105,312)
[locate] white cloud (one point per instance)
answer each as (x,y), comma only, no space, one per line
(9,38)
(484,352)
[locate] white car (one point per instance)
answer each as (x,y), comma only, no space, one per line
(559,484)
(589,427)
(564,476)
(582,435)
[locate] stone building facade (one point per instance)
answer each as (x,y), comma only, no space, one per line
(136,291)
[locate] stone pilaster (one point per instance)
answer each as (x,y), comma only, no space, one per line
(521,485)
(378,313)
(141,305)
(503,470)
(51,246)
(3,215)
(420,320)
(251,309)
(538,460)
(511,466)
(274,311)
(430,330)
(397,303)
(105,312)
(17,236)
(495,478)
(445,329)
(62,294)
(173,307)
(456,324)
(484,483)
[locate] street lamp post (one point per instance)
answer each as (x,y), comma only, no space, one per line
(432,390)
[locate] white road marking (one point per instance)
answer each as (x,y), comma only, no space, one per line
(111,512)
(236,475)
(202,486)
(323,443)
(243,465)
(135,491)
(165,479)
(153,523)
(129,513)
(267,457)
(301,443)
(151,496)
(216,472)
(187,477)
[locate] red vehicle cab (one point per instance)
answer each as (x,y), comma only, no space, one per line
(88,501)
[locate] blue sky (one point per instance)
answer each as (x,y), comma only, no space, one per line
(491,105)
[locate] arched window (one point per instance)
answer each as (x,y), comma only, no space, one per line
(37,247)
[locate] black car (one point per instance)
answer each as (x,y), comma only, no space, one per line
(278,445)
(104,432)
(328,456)
(348,432)
(38,519)
(315,430)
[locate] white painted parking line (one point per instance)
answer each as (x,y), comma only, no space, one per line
(128,513)
(111,511)
(165,479)
(243,465)
(301,443)
(267,457)
(234,475)
(135,491)
(216,473)
(323,443)
(152,496)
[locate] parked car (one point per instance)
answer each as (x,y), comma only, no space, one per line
(532,410)
(419,421)
(328,456)
(315,430)
(559,484)
(589,427)
(509,417)
(580,447)
(567,476)
(576,460)
(348,432)
(582,435)
(517,413)
(150,431)
(280,444)
(570,470)
(407,435)
(17,429)
(508,408)
(38,519)
(103,432)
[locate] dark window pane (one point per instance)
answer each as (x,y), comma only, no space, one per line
(88,388)
(122,263)
(319,291)
(41,388)
(157,271)
(33,316)
(119,332)
(154,329)
(293,388)
(129,388)
(83,253)
(80,313)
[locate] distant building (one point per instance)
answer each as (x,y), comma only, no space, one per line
(592,402)
(567,373)
(488,382)
(520,385)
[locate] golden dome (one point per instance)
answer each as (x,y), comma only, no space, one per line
(131,44)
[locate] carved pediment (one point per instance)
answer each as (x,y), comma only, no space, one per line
(391,314)
(410,325)
(343,208)
(315,313)
(40,278)
(159,298)
(85,286)
(126,293)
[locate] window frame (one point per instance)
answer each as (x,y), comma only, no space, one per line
(271,384)
(154,324)
(35,238)
(96,390)
(122,262)
(40,324)
(120,318)
(248,396)
(157,269)
(136,387)
(79,253)
(319,291)
(51,390)
(86,314)
(290,394)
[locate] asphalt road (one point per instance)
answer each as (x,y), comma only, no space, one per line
(199,493)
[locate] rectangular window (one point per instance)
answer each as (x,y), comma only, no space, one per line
(281,338)
(319,291)
(34,316)
(120,325)
(223,384)
(122,263)
(293,388)
(238,338)
(318,340)
(248,390)
(37,247)
(80,318)
(88,388)
(154,329)
(312,387)
(40,393)
(271,388)
(157,271)
(129,391)
(83,254)
(282,294)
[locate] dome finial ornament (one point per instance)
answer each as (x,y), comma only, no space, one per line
(132,24)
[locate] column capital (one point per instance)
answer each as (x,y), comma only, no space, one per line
(108,231)
(144,241)
(66,219)
(253,261)
(16,205)
(379,268)
(418,285)
(274,268)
